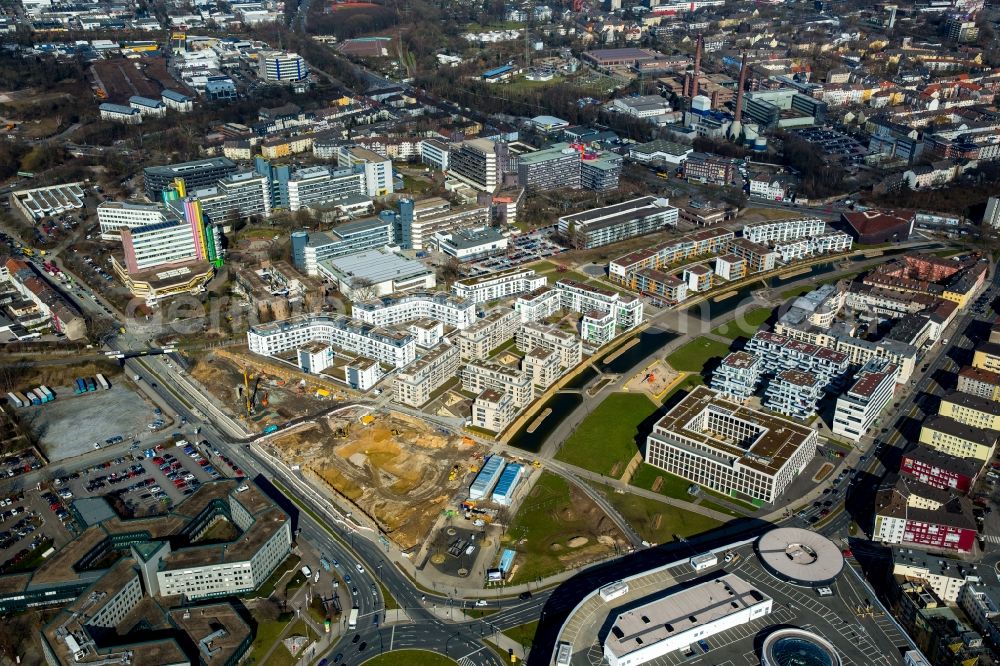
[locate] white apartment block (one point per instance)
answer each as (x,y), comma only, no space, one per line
(281,66)
(113,216)
(477,377)
(598,328)
(779,231)
(803,248)
(393,309)
(860,405)
(497,327)
(434,153)
(493,410)
(737,376)
(238,195)
(794,393)
(582,298)
(834,241)
(778,352)
(357,337)
(542,368)
(730,448)
(428,332)
(539,304)
(533,335)
(982,605)
(499,285)
(415,383)
(859,351)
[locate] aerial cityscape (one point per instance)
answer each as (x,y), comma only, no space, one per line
(588,333)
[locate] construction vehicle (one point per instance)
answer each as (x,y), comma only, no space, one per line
(367,419)
(250,396)
(454,473)
(395,432)
(271,428)
(536,464)
(343,431)
(322,393)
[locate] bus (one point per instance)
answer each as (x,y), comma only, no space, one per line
(352,619)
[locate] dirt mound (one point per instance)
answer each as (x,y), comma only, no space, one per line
(578,542)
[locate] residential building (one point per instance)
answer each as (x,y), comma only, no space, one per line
(618,222)
(689,246)
(371,273)
(597,327)
(493,410)
(357,337)
(794,393)
(979,382)
(399,308)
(434,153)
(982,605)
(539,304)
(482,375)
(729,448)
(759,258)
(319,185)
(698,277)
(910,513)
(487,333)
(731,267)
(940,470)
(310,248)
(542,367)
(957,439)
(779,352)
(737,376)
(177,101)
(651,282)
(861,405)
(416,383)
(532,335)
(987,357)
(476,163)
(779,231)
(625,310)
(496,286)
(971,410)
(946,576)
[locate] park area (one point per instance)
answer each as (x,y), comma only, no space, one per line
(745,324)
(607,439)
(695,355)
(398,470)
(557,528)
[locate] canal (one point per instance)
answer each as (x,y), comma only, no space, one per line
(562,405)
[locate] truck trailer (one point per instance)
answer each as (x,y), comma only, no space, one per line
(103,382)
(81,386)
(47,392)
(14,400)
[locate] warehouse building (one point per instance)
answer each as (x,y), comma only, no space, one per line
(376,272)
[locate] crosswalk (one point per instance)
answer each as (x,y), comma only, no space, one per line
(991,538)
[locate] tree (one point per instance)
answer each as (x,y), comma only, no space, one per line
(363,289)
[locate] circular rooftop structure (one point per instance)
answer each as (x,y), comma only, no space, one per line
(795,647)
(799,556)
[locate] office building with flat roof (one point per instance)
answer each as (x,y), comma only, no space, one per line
(309,248)
(281,67)
(476,163)
(618,222)
(729,448)
(683,617)
(378,272)
(779,231)
(113,216)
(689,246)
(196,174)
(377,169)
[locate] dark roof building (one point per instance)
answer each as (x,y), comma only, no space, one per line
(876,226)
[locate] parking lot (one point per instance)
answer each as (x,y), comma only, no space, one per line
(521,249)
(28,528)
(72,424)
(144,481)
(834,144)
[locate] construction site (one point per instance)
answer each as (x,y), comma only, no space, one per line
(400,472)
(261,391)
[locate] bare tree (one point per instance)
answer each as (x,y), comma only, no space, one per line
(363,289)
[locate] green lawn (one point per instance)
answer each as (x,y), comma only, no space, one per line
(267,633)
(390,601)
(655,521)
(281,656)
(549,517)
(524,633)
(676,487)
(605,441)
(693,356)
(410,658)
(291,563)
(745,325)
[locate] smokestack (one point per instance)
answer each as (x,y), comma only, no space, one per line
(697,67)
(739,93)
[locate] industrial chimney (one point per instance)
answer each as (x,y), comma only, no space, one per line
(693,90)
